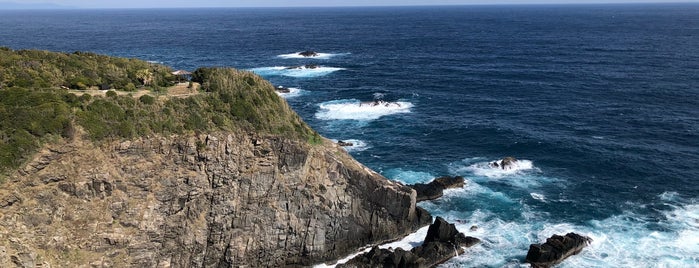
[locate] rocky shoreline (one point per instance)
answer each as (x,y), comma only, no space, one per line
(441,243)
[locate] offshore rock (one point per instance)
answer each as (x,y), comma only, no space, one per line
(307,66)
(556,249)
(506,163)
(208,200)
(282,89)
(435,189)
(345,144)
(309,53)
(441,243)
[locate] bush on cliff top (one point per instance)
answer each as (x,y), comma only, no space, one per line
(233,101)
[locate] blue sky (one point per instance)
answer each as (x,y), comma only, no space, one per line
(286,3)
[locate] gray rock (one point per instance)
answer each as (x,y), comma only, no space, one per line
(210,200)
(435,189)
(441,243)
(556,249)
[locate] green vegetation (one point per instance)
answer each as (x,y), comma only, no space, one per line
(78,70)
(36,111)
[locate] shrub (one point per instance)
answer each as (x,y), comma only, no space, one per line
(111,94)
(147,99)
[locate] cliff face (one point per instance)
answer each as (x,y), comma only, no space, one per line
(216,200)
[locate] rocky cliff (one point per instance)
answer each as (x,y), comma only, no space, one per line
(206,200)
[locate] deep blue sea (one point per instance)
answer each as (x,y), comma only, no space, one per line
(599,102)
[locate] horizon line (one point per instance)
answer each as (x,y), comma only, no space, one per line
(55,7)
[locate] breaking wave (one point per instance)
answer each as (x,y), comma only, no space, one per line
(321,56)
(293,92)
(363,111)
(299,72)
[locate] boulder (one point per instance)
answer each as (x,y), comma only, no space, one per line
(309,53)
(441,243)
(556,249)
(435,189)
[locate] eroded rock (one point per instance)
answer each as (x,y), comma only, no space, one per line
(435,188)
(556,249)
(441,243)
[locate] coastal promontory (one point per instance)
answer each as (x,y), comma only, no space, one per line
(102,165)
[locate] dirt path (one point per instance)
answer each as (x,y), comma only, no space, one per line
(180,90)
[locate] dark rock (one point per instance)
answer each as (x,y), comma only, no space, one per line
(307,66)
(435,188)
(344,144)
(442,242)
(309,53)
(281,89)
(556,249)
(505,163)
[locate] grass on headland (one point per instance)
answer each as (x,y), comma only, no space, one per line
(37,111)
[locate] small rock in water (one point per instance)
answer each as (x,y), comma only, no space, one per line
(309,53)
(345,144)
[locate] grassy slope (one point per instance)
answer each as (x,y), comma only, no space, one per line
(34,109)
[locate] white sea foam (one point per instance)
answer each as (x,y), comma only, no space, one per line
(538,196)
(485,169)
(406,243)
(356,110)
(293,92)
(300,71)
(321,56)
(626,240)
(357,145)
(408,176)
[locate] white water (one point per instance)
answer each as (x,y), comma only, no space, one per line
(301,72)
(321,56)
(293,92)
(357,145)
(355,110)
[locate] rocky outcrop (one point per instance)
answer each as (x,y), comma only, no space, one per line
(441,243)
(506,163)
(435,189)
(309,53)
(307,66)
(345,144)
(556,249)
(216,200)
(281,89)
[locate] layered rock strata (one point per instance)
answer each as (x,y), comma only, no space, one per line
(216,200)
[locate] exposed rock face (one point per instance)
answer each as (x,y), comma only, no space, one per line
(556,249)
(435,189)
(442,242)
(218,200)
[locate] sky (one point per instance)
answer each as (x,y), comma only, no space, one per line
(300,3)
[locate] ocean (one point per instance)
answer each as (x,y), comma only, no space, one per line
(599,102)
